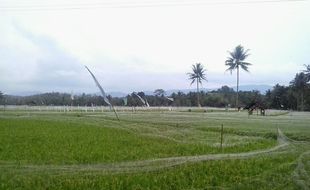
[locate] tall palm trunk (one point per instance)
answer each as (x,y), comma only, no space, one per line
(198,104)
(237,95)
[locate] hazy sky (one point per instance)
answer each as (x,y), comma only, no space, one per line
(139,45)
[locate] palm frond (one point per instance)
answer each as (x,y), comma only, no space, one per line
(204,78)
(307,70)
(193,81)
(244,68)
(232,54)
(246,54)
(244,63)
(198,73)
(230,69)
(236,59)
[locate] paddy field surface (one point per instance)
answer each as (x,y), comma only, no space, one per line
(153,149)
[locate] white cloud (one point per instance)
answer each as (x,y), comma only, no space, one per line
(151,47)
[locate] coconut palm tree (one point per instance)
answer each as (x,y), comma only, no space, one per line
(236,61)
(197,76)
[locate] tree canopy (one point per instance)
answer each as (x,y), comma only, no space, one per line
(198,75)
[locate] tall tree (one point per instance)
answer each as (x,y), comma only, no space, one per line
(1,97)
(277,98)
(159,92)
(198,75)
(236,60)
(307,72)
(300,84)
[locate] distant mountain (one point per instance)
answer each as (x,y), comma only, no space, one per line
(185,91)
(116,94)
(261,88)
(24,93)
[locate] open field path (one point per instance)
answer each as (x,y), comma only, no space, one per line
(143,165)
(300,175)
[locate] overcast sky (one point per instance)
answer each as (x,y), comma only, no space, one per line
(142,45)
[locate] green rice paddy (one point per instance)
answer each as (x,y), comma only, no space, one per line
(154,149)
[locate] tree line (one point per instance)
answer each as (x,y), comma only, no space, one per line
(295,96)
(279,97)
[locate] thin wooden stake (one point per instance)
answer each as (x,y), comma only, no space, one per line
(222,131)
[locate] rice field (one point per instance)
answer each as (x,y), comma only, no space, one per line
(157,148)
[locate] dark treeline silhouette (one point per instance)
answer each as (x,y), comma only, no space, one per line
(280,97)
(296,96)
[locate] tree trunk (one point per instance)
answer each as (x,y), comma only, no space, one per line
(198,104)
(302,100)
(237,96)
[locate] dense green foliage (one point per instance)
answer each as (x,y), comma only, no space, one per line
(280,97)
(1,96)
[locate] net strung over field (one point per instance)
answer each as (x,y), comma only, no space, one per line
(65,147)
